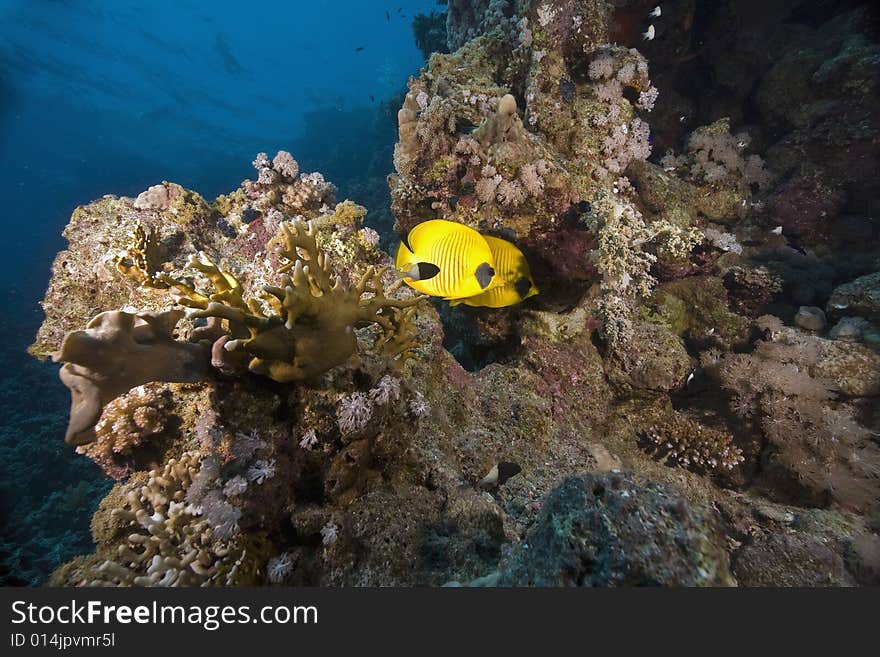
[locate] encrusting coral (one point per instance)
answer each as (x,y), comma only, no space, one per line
(554,177)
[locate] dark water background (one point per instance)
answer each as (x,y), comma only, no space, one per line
(112,97)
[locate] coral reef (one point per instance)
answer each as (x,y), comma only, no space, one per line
(526,132)
(168,542)
(670,410)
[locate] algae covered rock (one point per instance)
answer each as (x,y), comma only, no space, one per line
(859,297)
(655,361)
(696,308)
(799,547)
(615,530)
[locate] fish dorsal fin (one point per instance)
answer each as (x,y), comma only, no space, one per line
(405,240)
(412,237)
(427,229)
(404,258)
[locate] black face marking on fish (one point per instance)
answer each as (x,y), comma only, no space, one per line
(484,275)
(506,470)
(405,241)
(427,270)
(423,271)
(522,286)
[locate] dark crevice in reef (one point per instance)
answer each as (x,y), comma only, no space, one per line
(463,338)
(814,13)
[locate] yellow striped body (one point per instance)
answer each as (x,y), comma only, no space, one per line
(513,269)
(458,251)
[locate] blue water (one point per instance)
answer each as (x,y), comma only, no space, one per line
(111,97)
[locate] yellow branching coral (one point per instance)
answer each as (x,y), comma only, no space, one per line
(138,261)
(313,315)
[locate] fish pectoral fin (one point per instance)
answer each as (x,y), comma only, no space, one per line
(485,273)
(455,302)
(422,271)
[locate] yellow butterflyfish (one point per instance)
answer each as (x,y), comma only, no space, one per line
(513,269)
(446,259)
